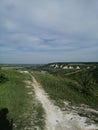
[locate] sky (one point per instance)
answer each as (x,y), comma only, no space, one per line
(44,31)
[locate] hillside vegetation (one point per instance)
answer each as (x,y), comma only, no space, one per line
(78,88)
(63,84)
(24,109)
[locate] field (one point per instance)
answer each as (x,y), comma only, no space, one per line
(77,86)
(62,83)
(24,109)
(62,89)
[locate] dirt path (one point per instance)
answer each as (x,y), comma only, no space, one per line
(57,119)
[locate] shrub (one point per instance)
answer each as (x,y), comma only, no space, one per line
(87,82)
(3,78)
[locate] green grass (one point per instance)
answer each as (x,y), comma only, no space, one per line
(24,109)
(61,89)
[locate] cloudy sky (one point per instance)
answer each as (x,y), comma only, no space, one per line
(43,31)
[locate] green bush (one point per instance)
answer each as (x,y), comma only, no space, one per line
(87,82)
(3,78)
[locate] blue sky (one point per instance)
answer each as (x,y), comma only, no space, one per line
(43,31)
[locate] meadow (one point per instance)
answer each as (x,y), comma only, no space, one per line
(61,88)
(61,85)
(24,109)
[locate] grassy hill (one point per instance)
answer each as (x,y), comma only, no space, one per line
(15,95)
(76,85)
(79,86)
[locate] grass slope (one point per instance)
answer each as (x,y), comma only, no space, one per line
(24,109)
(60,89)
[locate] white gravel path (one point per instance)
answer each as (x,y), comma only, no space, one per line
(57,119)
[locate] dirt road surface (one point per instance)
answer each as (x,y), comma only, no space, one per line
(57,119)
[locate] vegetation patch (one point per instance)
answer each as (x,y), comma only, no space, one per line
(26,112)
(3,78)
(64,88)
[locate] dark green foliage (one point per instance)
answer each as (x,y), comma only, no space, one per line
(3,78)
(95,74)
(87,82)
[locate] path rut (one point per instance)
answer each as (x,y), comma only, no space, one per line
(57,119)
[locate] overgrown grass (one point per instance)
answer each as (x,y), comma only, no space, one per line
(61,89)
(24,109)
